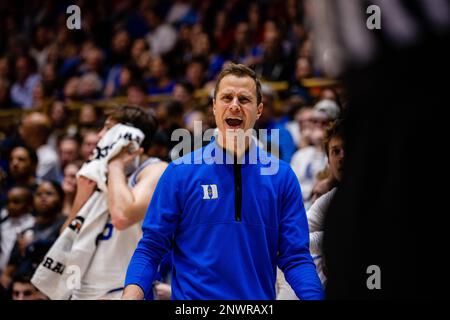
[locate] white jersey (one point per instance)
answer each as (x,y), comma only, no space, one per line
(106,273)
(105,276)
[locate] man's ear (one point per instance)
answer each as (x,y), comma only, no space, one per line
(260,110)
(214,106)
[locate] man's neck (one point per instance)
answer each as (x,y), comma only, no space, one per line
(233,146)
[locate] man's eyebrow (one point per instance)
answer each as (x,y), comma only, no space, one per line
(240,94)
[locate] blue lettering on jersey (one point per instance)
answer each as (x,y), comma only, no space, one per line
(106,233)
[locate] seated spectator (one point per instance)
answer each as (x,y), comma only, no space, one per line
(5,97)
(70,90)
(309,160)
(137,94)
(89,118)
(201,47)
(255,19)
(90,140)
(306,123)
(5,69)
(329,94)
(58,114)
(68,151)
(184,93)
(35,130)
(293,106)
(50,80)
(139,47)
(312,125)
(120,77)
(159,148)
(120,48)
(162,36)
(182,51)
(143,61)
(42,35)
(23,289)
(334,146)
(303,70)
(26,80)
(223,32)
(196,72)
(14,219)
(305,50)
(274,65)
(59,118)
(40,101)
(22,167)
(242,50)
(90,86)
(92,61)
(170,118)
(33,243)
(329,107)
(159,81)
(69,185)
(180,11)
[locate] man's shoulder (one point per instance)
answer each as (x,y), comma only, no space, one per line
(153,169)
(155,164)
(187,161)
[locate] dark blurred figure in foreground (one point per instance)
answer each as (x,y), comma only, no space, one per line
(388,210)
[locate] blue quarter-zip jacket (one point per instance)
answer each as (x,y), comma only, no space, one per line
(228,227)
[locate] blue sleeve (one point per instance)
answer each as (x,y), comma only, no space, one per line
(158,228)
(294,258)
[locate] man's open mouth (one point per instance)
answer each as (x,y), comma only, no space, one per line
(233,122)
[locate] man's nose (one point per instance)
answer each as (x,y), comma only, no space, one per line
(234,106)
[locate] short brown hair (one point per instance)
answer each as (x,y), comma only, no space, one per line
(137,117)
(239,70)
(334,130)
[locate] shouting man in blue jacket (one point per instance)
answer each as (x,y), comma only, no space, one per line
(228,222)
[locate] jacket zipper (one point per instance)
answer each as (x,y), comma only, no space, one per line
(237,191)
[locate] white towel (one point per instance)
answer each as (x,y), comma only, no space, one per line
(109,146)
(68,259)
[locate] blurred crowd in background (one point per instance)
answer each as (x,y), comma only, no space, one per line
(56,86)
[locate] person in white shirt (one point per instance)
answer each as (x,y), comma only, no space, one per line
(310,160)
(162,36)
(14,218)
(334,146)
